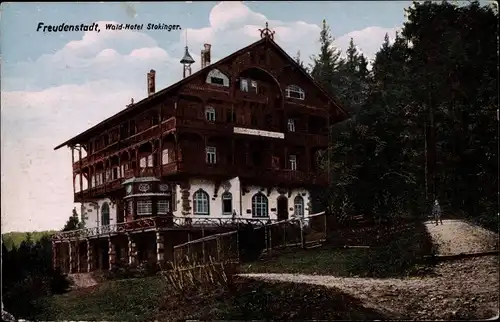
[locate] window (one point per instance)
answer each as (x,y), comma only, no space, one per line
(200,203)
(227,203)
(162,207)
(298,206)
(106,139)
(142,162)
(293,91)
(259,205)
(244,85)
(115,174)
(216,81)
(155,119)
(144,207)
(210,114)
(211,155)
(150,160)
(254,87)
(291,125)
(216,77)
(105,214)
(164,157)
(292,159)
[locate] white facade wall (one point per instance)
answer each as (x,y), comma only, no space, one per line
(242,204)
(93,216)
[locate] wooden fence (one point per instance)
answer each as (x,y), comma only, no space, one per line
(250,241)
(218,248)
(298,232)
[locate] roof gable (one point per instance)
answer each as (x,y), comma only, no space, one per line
(131,109)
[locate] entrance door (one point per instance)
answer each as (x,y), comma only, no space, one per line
(105,214)
(282,208)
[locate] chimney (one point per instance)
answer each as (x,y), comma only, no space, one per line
(151,82)
(205,56)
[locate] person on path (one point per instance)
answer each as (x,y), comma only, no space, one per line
(436,211)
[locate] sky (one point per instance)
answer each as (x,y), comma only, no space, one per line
(55,85)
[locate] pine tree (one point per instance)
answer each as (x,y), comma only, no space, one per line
(326,65)
(73,222)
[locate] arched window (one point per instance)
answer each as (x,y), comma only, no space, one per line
(201,203)
(298,207)
(105,214)
(210,113)
(216,77)
(259,205)
(227,203)
(293,91)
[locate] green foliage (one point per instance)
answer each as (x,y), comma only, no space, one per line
(27,275)
(434,85)
(393,252)
(14,239)
(73,222)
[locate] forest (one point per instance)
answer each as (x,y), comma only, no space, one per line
(423,126)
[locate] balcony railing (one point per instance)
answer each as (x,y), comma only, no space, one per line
(159,222)
(307,138)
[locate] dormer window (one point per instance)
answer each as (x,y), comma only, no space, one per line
(244,85)
(253,88)
(248,85)
(291,125)
(216,77)
(293,91)
(210,114)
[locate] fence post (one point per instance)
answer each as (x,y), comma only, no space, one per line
(326,231)
(270,240)
(302,239)
(238,245)
(203,245)
(218,248)
(284,234)
(266,238)
(189,245)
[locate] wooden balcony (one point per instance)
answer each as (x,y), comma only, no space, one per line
(308,139)
(251,97)
(159,222)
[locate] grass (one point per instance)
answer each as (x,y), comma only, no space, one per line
(399,254)
(150,299)
(118,300)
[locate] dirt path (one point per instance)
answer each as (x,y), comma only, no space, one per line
(456,236)
(460,289)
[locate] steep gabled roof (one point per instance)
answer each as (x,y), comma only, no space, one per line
(133,108)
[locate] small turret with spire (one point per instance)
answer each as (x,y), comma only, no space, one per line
(187,61)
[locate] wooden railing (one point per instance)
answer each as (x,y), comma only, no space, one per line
(301,138)
(160,222)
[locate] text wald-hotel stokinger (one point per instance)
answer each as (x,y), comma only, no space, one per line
(149,26)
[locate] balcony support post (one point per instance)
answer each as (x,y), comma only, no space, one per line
(111,254)
(90,258)
(131,251)
(54,255)
(77,253)
(81,174)
(71,257)
(160,249)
